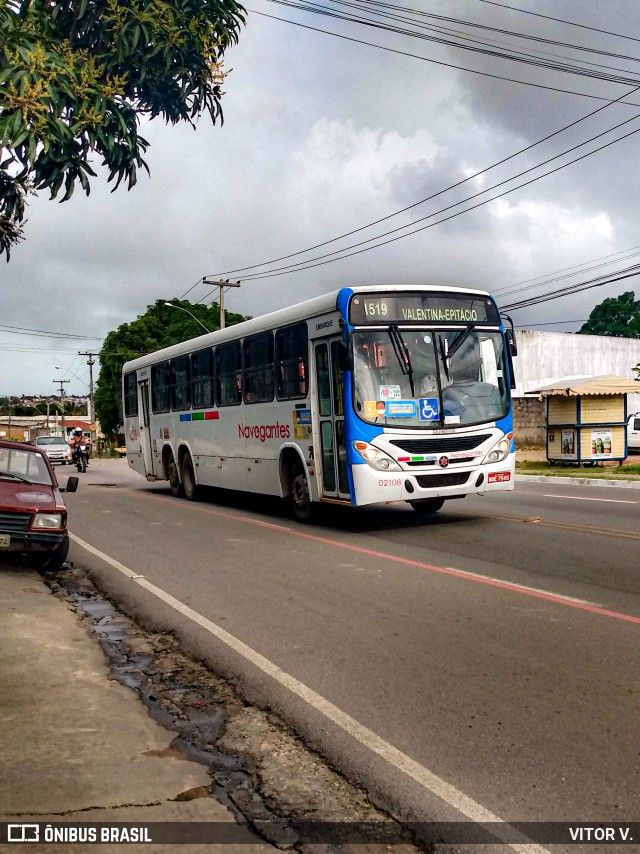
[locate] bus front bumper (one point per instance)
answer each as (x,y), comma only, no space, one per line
(453,481)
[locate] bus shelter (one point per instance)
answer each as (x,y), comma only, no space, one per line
(586,419)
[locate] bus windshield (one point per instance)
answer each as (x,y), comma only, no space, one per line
(429,377)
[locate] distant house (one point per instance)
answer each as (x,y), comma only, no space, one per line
(26,428)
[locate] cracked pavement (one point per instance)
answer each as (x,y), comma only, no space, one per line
(105,721)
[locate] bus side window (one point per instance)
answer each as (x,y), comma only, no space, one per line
(130,395)
(181,383)
(228,374)
(258,368)
(292,359)
(202,379)
(160,387)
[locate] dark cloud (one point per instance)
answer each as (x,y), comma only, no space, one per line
(322,136)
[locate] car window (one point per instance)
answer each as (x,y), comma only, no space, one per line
(28,465)
(50,440)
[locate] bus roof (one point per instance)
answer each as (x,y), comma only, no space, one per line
(282,317)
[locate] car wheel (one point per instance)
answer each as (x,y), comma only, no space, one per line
(51,561)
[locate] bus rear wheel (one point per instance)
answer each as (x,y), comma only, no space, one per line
(189,485)
(427,506)
(299,496)
(174,480)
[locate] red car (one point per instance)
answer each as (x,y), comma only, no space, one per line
(33,516)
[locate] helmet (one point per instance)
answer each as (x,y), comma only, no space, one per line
(77,431)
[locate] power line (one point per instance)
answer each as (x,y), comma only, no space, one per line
(431,197)
(598,282)
(578,268)
(486,27)
(558,20)
(549,323)
(194,285)
(439,62)
(483,48)
(25,330)
(305,265)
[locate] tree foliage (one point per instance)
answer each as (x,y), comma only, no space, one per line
(159,327)
(619,316)
(76,76)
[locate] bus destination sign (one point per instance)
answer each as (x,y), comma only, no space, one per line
(420,308)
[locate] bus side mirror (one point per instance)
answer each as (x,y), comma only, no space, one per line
(511,341)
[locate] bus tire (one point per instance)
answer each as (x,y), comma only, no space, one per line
(174,480)
(427,506)
(299,496)
(189,485)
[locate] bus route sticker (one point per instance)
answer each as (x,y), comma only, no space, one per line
(302,423)
(429,409)
(401,408)
(390,392)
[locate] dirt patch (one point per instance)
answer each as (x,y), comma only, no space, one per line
(258,767)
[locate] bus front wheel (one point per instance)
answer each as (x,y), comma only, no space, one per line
(189,484)
(427,506)
(299,496)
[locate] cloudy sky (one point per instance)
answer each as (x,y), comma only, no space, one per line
(324,135)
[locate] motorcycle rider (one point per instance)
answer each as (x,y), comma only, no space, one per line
(77,437)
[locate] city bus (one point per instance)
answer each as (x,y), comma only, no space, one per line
(365,395)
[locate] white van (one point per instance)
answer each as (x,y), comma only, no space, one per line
(633,432)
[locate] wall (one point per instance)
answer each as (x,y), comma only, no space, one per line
(528,421)
(545,357)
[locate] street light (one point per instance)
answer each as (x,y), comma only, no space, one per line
(67,371)
(186,310)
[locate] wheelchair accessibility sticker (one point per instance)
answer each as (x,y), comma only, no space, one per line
(429,409)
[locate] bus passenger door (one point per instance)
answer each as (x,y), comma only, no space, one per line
(329,391)
(144,423)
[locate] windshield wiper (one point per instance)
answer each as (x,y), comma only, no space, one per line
(14,476)
(448,350)
(459,340)
(443,354)
(402,355)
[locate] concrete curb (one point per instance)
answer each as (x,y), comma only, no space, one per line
(580,481)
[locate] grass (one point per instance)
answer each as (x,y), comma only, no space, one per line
(629,471)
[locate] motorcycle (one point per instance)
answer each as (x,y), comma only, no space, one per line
(82,456)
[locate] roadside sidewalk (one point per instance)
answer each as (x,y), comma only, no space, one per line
(595,477)
(78,747)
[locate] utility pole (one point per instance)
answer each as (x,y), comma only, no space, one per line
(61,384)
(222,284)
(90,407)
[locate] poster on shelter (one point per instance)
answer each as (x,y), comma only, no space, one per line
(568,443)
(600,444)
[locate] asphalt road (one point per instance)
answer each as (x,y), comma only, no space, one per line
(482,664)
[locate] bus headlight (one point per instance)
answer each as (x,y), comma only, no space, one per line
(499,452)
(375,458)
